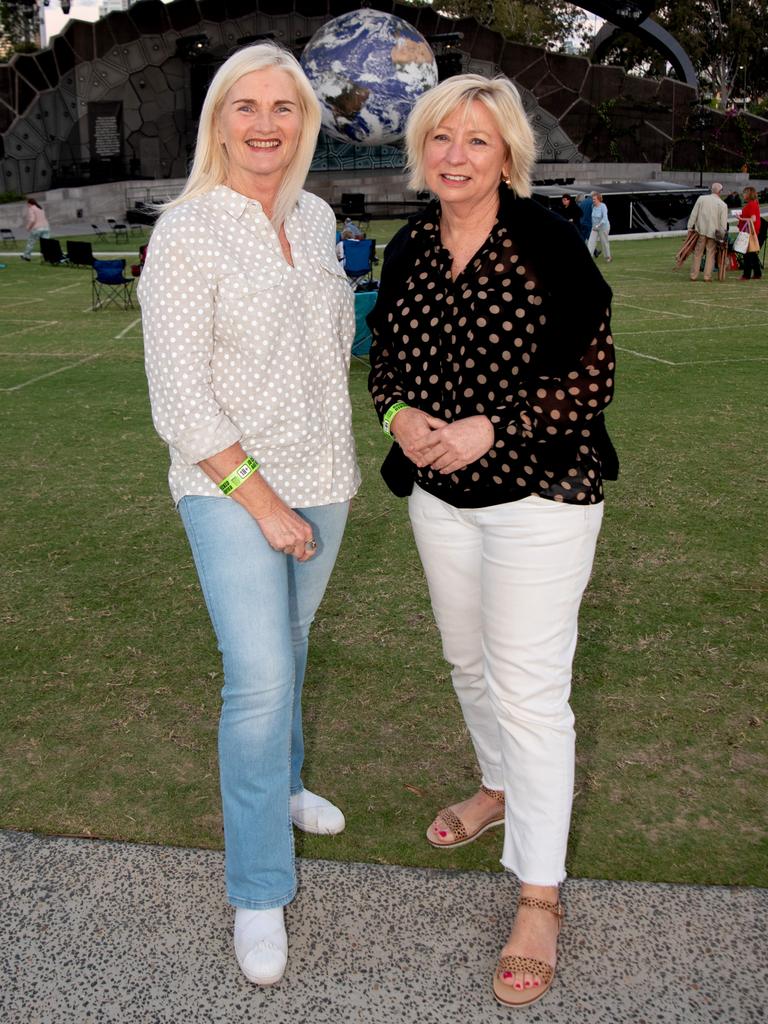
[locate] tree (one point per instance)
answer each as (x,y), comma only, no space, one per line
(727,41)
(555,25)
(19,25)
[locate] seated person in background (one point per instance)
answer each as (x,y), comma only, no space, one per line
(352,229)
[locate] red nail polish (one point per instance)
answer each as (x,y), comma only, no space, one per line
(518,985)
(507,974)
(442,834)
(536,983)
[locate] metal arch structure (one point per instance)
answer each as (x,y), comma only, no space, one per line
(634,16)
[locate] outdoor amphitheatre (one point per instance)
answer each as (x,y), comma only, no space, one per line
(111,826)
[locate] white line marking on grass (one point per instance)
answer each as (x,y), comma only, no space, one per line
(647,309)
(128,328)
(35,325)
(52,373)
(21,302)
(66,288)
(643,355)
(703,329)
(40,355)
(729,306)
(692,362)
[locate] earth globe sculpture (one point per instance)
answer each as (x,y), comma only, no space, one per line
(368,69)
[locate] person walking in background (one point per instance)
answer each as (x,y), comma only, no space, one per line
(750,215)
(585,224)
(248,326)
(36,224)
(709,219)
(490,369)
(570,211)
(600,228)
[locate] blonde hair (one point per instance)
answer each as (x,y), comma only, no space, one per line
(502,100)
(750,193)
(211,165)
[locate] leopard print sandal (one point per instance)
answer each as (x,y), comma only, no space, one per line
(506,994)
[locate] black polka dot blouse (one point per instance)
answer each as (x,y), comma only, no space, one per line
(468,347)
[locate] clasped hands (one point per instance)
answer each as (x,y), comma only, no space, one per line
(445,447)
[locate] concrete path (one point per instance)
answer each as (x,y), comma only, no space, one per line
(113,933)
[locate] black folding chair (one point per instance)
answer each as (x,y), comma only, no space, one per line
(110,286)
(120,229)
(79,254)
(50,250)
(359,257)
(8,238)
(100,233)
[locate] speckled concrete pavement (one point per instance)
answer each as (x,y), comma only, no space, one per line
(121,934)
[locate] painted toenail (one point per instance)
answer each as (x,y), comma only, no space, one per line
(536,983)
(442,834)
(528,984)
(507,974)
(518,984)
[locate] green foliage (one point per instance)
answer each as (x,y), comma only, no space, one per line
(552,25)
(725,40)
(18,25)
(11,197)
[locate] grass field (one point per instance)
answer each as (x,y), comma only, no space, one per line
(110,674)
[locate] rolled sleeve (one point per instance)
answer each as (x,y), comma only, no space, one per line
(177,306)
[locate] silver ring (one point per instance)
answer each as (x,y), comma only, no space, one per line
(310,545)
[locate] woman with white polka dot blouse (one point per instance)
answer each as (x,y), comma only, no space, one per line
(248,325)
(491,364)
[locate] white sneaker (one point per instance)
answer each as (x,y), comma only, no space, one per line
(261,944)
(315,814)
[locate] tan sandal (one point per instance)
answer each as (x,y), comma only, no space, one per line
(506,994)
(454,823)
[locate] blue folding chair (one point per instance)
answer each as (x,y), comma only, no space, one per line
(359,257)
(110,286)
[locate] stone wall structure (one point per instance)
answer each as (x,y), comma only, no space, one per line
(117,98)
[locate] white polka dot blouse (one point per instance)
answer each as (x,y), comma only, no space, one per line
(241,346)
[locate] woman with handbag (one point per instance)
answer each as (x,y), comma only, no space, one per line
(490,369)
(749,221)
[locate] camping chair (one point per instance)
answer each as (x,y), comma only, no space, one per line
(79,254)
(359,257)
(109,286)
(8,238)
(120,229)
(100,233)
(50,250)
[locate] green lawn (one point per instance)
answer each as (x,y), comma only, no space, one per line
(111,675)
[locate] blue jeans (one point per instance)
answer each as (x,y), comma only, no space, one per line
(261,603)
(34,236)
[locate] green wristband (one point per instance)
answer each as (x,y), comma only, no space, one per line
(389,415)
(237,476)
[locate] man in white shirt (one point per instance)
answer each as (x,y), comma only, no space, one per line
(709,218)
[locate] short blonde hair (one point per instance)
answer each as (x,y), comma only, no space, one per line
(211,165)
(750,193)
(500,97)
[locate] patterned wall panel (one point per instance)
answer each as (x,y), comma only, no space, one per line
(579,112)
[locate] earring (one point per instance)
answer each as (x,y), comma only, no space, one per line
(507,179)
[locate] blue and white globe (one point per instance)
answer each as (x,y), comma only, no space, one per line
(368,69)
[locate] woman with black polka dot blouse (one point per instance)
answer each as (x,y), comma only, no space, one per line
(248,324)
(491,365)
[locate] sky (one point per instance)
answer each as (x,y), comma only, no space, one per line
(55,20)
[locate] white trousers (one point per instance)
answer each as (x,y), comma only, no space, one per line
(506,583)
(605,245)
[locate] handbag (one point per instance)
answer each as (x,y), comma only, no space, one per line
(753,245)
(742,242)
